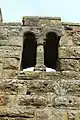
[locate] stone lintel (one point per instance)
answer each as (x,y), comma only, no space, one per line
(42,18)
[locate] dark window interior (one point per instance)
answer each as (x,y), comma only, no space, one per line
(29,50)
(51,50)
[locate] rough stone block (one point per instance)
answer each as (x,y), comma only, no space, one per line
(35,21)
(12,41)
(69,52)
(10,51)
(11,63)
(66,41)
(36,101)
(11,30)
(3,33)
(32,100)
(69,64)
(49,76)
(17,111)
(70,87)
(7,73)
(13,87)
(76,38)
(67,102)
(48,114)
(30,87)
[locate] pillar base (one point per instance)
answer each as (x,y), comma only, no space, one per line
(39,67)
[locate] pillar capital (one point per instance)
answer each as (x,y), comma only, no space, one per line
(40,41)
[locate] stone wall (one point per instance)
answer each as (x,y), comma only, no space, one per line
(69,50)
(11,41)
(39,95)
(10,49)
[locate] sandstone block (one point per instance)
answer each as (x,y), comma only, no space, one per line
(13,87)
(48,114)
(67,102)
(18,111)
(7,73)
(70,87)
(49,76)
(11,41)
(69,64)
(69,52)
(66,41)
(10,51)
(11,63)
(76,38)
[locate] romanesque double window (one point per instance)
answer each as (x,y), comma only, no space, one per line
(41,50)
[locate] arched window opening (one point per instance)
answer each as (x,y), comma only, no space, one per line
(29,50)
(51,50)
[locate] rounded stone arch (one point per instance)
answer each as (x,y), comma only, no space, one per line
(51,49)
(29,50)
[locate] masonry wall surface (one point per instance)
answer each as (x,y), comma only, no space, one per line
(39,95)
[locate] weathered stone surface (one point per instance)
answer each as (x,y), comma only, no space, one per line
(7,31)
(49,88)
(41,21)
(66,41)
(70,87)
(17,111)
(76,38)
(11,63)
(10,51)
(70,64)
(3,33)
(15,41)
(7,73)
(48,114)
(39,95)
(49,76)
(69,52)
(13,87)
(69,102)
(34,100)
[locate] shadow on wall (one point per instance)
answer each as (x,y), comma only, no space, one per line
(29,50)
(51,50)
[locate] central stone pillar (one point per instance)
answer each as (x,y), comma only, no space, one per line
(40,55)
